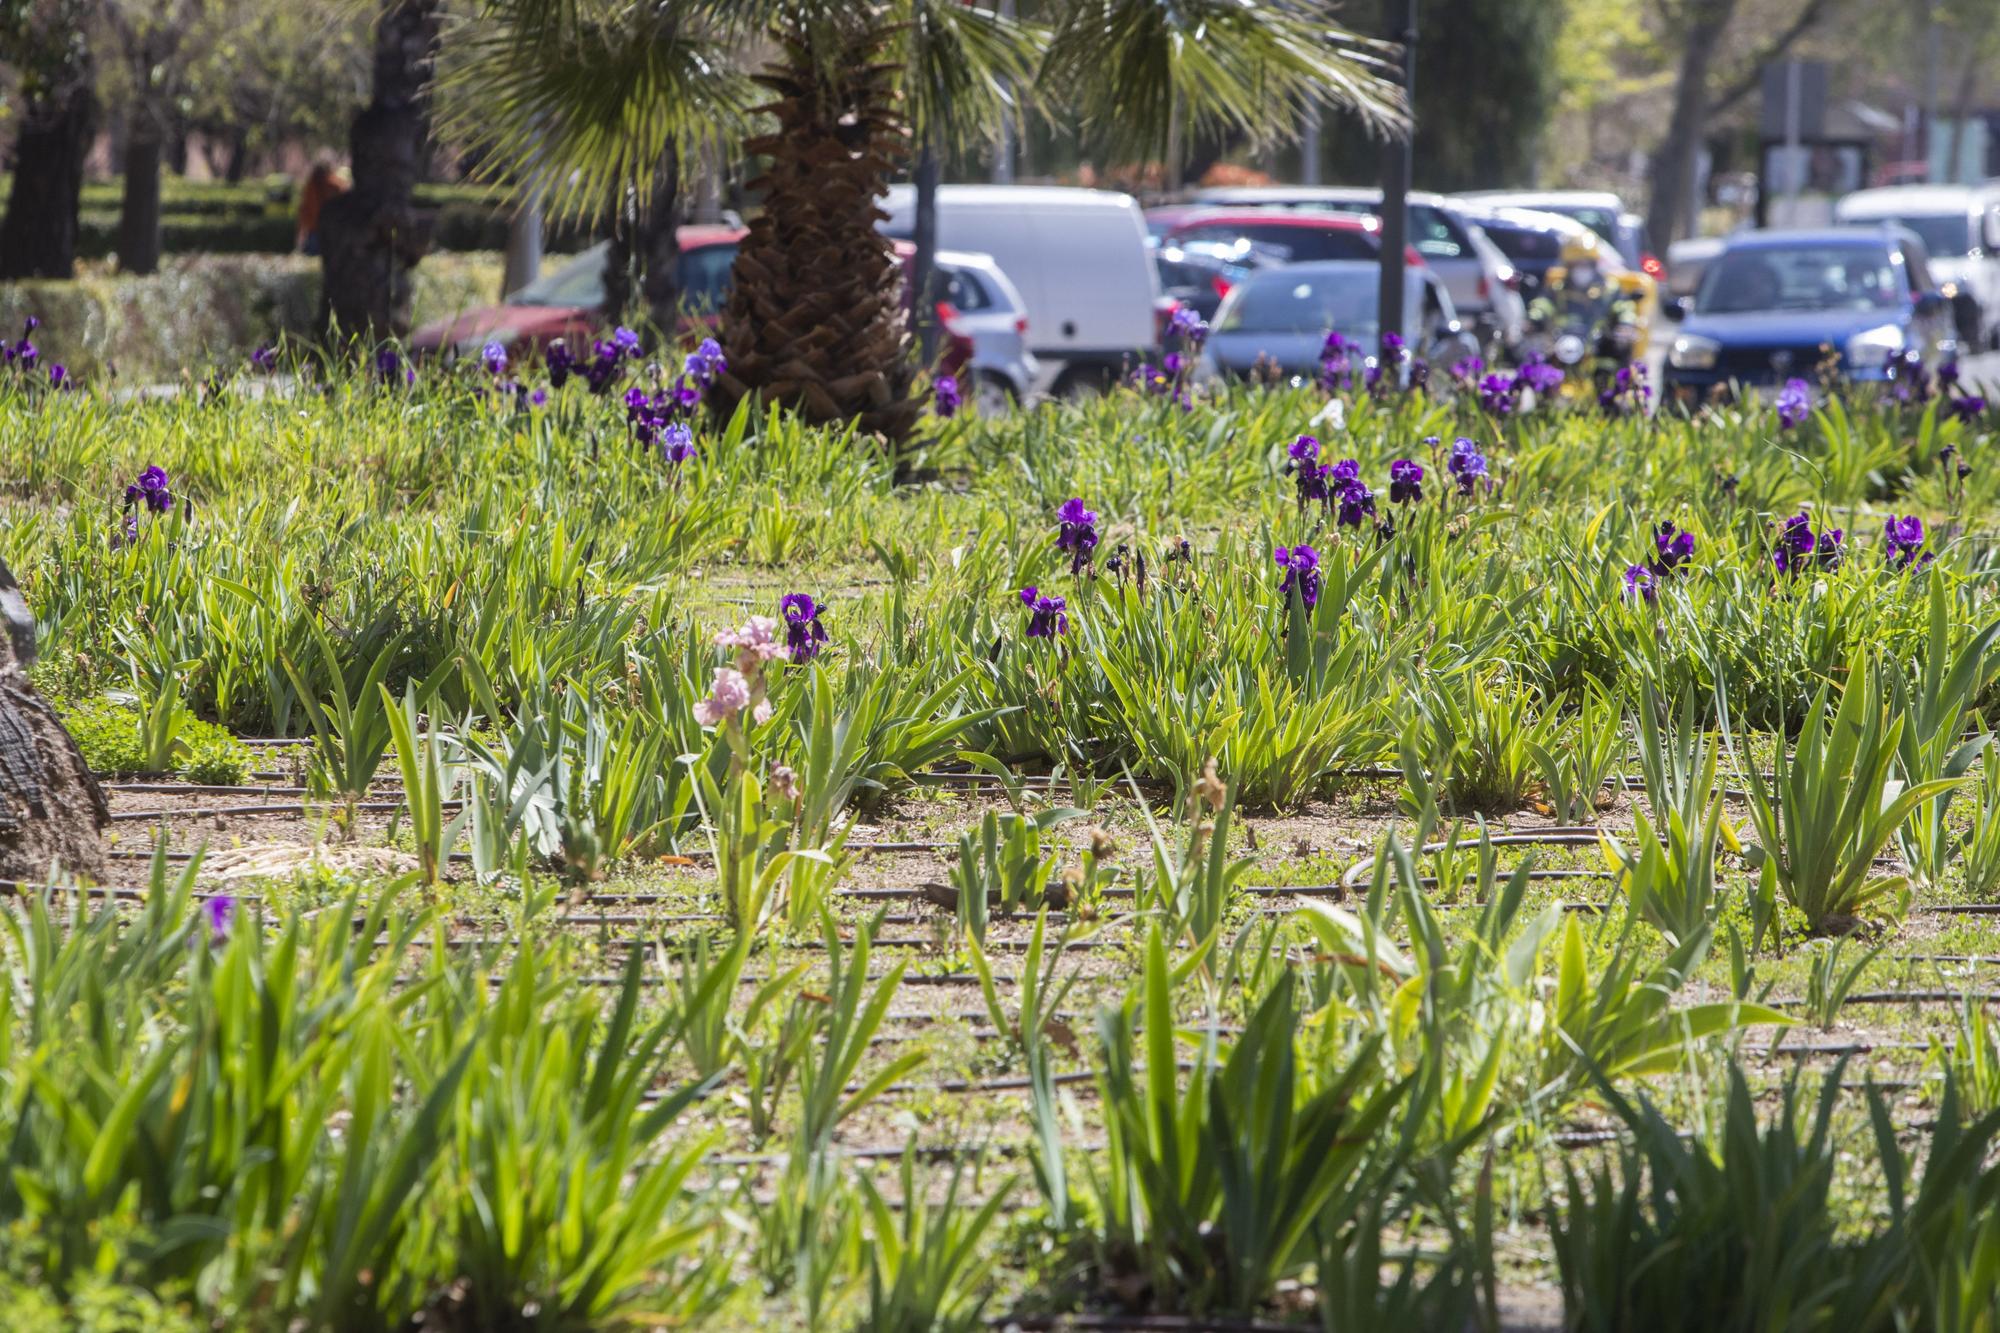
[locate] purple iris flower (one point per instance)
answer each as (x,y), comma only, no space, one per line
(1466,372)
(676,442)
(1394,351)
(1336,359)
(1965,406)
(1406,481)
(1343,473)
(1301,566)
(24,352)
(1045,614)
(1541,376)
(1794,403)
(1076,532)
(945,394)
(560,361)
(1466,464)
(1799,549)
(1171,364)
(1627,394)
(219,914)
(1187,323)
(59,377)
(151,491)
(706,363)
(494,355)
(627,343)
(1307,473)
(389,368)
(265,358)
(1356,500)
(1675,547)
(1496,394)
(1905,540)
(803,632)
(1640,585)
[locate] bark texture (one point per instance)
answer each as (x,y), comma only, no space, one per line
(373,235)
(38,239)
(815,314)
(51,809)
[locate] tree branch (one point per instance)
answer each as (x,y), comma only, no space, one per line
(1780,44)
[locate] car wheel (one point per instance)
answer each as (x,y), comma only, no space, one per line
(993,396)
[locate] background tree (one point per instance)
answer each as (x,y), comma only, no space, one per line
(373,235)
(267,77)
(149,41)
(47,45)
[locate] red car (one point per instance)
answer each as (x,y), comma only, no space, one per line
(1304,237)
(569,303)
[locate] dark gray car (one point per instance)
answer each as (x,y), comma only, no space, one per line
(1277,320)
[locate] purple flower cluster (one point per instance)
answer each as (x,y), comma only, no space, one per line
(1500,393)
(265,359)
(1799,549)
(494,357)
(1673,548)
(1904,540)
(1307,474)
(804,635)
(150,492)
(1336,362)
(1628,393)
(608,357)
(1957,403)
(1406,481)
(945,397)
(1794,403)
(1187,325)
(1076,532)
(1466,464)
(22,355)
(1385,371)
(1543,377)
(1301,566)
(1046,617)
(1641,585)
(219,915)
(391,371)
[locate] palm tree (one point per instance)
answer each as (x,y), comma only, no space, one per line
(594,88)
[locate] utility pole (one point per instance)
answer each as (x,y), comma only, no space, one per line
(1309,144)
(1396,176)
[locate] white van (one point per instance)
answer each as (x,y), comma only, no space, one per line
(1960,227)
(1080,261)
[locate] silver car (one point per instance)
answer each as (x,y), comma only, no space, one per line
(1479,277)
(1277,319)
(984,307)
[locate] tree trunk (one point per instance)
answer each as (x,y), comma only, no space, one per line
(659,247)
(373,235)
(239,156)
(1961,111)
(139,217)
(1674,161)
(51,808)
(39,237)
(815,314)
(923,265)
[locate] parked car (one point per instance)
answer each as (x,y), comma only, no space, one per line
(1688,261)
(1599,210)
(569,302)
(976,301)
(1778,304)
(1079,260)
(1960,228)
(1531,241)
(1277,320)
(1198,274)
(1476,273)
(1290,235)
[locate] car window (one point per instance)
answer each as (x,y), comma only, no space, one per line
(1809,277)
(1298,243)
(1522,244)
(577,283)
(704,278)
(1946,235)
(1435,234)
(963,290)
(1916,269)
(1281,302)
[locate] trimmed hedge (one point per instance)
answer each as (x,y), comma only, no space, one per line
(199,312)
(260,217)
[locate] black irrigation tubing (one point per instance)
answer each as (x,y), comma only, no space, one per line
(1576,836)
(120,893)
(1902,997)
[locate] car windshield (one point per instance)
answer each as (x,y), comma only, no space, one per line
(1807,277)
(1296,243)
(577,283)
(1520,244)
(1290,302)
(1945,235)
(1603,221)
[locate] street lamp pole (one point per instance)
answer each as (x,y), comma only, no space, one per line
(1396,175)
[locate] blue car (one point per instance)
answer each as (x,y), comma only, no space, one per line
(1778,304)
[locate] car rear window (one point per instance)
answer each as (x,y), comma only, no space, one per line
(1299,244)
(705,278)
(964,291)
(1521,244)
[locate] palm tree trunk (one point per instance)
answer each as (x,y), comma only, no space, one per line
(660,247)
(1675,160)
(815,317)
(373,235)
(923,265)
(39,237)
(139,214)
(51,808)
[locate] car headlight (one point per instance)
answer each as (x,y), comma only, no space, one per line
(1691,351)
(1874,347)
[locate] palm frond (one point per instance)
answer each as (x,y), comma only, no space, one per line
(578,99)
(1129,67)
(964,67)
